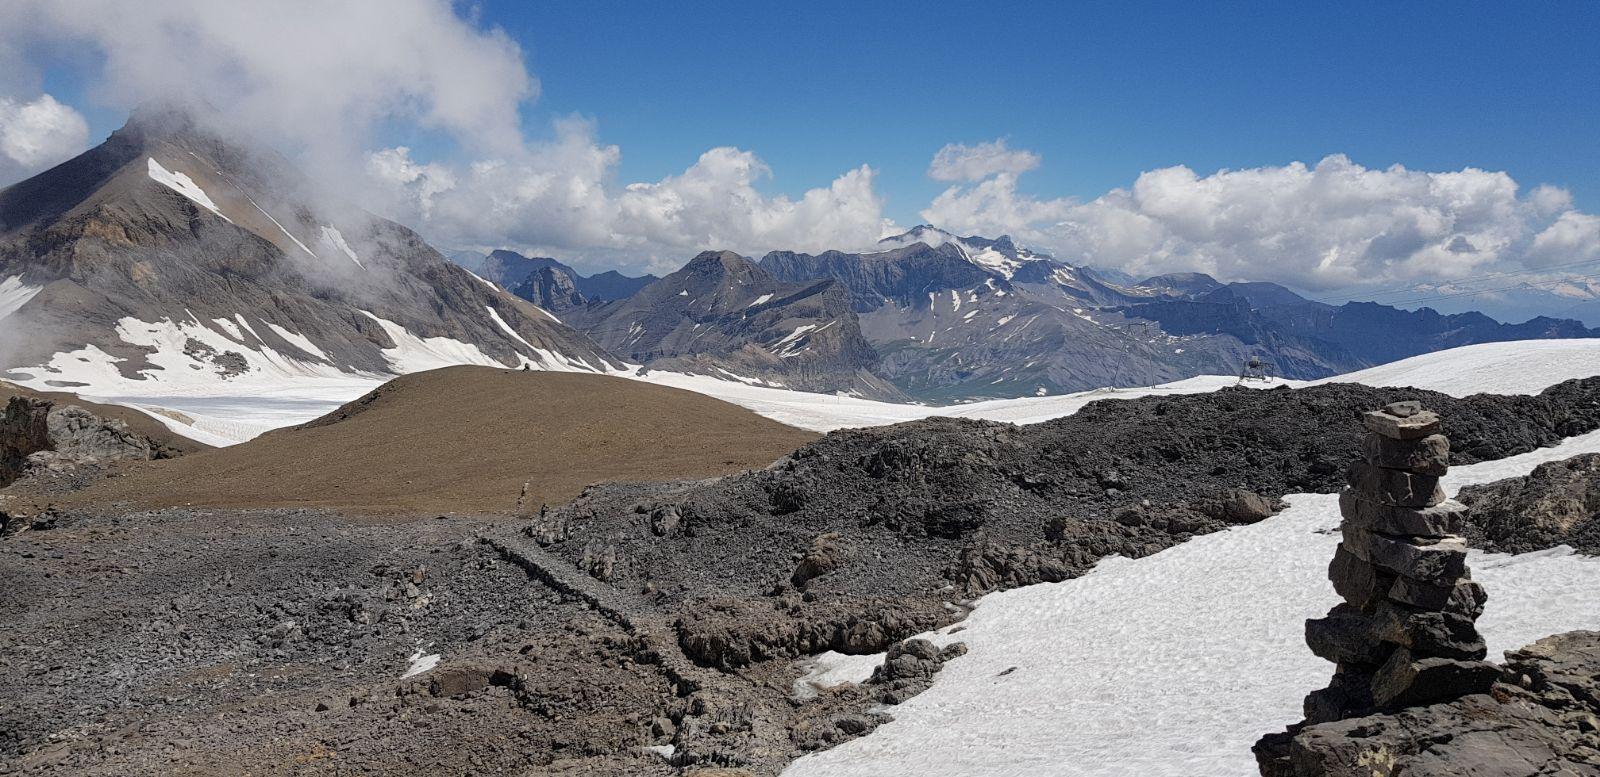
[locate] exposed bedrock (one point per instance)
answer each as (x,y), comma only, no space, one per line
(1540,717)
(1556,504)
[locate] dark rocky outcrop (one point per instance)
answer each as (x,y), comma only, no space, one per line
(1556,504)
(39,434)
(1541,717)
(935,512)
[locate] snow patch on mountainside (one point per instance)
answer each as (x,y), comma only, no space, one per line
(183,185)
(504,327)
(415,354)
(336,239)
(1172,665)
(184,387)
(299,341)
(14,294)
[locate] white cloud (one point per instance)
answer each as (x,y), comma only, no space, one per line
(557,197)
(35,135)
(961,162)
(1333,225)
(314,74)
(1574,237)
(319,79)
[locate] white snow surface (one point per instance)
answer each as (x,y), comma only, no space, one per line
(415,354)
(183,185)
(336,238)
(14,294)
(504,327)
(420,662)
(1516,367)
(188,395)
(298,340)
(290,391)
(1172,665)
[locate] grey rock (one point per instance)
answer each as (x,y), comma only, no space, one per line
(1347,636)
(1440,562)
(1421,424)
(1428,633)
(1428,455)
(1445,519)
(1534,722)
(1407,681)
(1556,504)
(826,553)
(1356,580)
(1404,409)
(1393,487)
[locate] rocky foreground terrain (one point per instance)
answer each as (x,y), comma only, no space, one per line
(654,628)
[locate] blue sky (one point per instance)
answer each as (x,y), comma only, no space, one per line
(1095,131)
(1102,91)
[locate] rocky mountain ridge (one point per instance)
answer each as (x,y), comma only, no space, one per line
(171,255)
(726,316)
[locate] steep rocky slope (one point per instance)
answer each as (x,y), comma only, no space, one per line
(511,270)
(724,316)
(170,254)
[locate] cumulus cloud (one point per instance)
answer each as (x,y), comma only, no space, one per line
(556,197)
(312,73)
(37,134)
(1332,225)
(1574,237)
(961,162)
(321,79)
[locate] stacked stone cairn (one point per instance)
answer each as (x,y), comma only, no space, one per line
(1405,635)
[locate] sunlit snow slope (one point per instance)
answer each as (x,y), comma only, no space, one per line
(1173,664)
(286,391)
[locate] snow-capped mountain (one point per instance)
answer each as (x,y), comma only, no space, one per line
(969,317)
(170,256)
(722,315)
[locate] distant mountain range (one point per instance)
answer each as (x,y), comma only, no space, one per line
(950,318)
(172,255)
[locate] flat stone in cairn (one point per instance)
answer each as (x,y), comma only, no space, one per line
(1445,519)
(1405,634)
(1421,424)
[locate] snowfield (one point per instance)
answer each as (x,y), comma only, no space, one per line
(1172,665)
(282,390)
(1518,367)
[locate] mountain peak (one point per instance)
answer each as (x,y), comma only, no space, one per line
(718,261)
